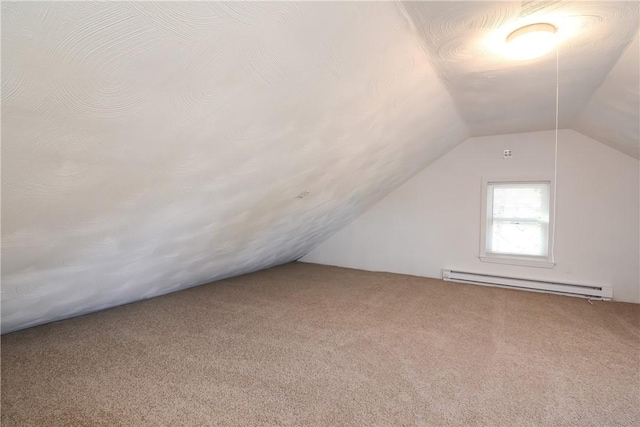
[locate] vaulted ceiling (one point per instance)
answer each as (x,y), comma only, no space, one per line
(150,146)
(496,95)
(612,114)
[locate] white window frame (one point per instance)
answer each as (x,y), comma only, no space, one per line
(524,260)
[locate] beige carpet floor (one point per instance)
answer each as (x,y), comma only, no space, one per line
(305,344)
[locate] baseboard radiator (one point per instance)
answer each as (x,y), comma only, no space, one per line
(585,291)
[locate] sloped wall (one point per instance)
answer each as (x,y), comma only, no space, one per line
(152,146)
(612,114)
(433,221)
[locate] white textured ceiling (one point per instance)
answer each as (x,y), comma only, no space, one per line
(496,95)
(612,114)
(148,146)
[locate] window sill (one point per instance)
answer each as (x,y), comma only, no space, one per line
(518,261)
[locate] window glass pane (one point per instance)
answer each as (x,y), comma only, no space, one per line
(515,238)
(525,201)
(517,218)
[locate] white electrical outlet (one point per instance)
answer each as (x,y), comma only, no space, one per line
(506,154)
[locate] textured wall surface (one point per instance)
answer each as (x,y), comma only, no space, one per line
(612,115)
(496,95)
(148,147)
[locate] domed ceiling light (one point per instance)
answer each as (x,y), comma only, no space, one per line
(531,41)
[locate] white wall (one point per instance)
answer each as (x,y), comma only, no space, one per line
(433,220)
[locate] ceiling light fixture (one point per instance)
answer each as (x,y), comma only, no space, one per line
(531,41)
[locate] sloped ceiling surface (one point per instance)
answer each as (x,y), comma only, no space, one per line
(496,95)
(152,146)
(612,115)
(148,147)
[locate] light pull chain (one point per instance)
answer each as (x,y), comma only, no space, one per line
(555,159)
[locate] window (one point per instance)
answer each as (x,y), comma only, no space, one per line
(516,223)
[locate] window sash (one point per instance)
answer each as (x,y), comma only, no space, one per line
(542,238)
